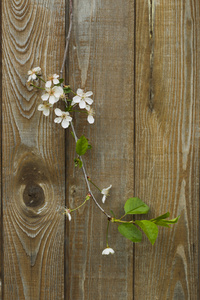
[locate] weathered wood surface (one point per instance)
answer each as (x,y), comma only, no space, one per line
(167,145)
(145,143)
(33,154)
(1,221)
(102,60)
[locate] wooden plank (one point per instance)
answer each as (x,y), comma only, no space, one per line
(102,60)
(1,221)
(33,154)
(167,145)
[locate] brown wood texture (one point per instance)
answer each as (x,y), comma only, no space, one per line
(102,60)
(1,220)
(167,145)
(33,154)
(141,60)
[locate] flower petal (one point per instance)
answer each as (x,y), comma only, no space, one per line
(56,99)
(29,78)
(37,70)
(55,81)
(58,112)
(41,107)
(58,120)
(45,97)
(104,198)
(108,251)
(52,99)
(72,103)
(79,92)
(76,99)
(69,216)
(57,91)
(90,119)
(89,101)
(82,104)
(34,76)
(69,119)
(88,94)
(106,190)
(46,111)
(48,84)
(65,123)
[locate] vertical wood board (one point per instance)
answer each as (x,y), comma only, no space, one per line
(33,154)
(167,145)
(102,60)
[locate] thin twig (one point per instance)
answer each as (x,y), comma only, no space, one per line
(86,179)
(75,136)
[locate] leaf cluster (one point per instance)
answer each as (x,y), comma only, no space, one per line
(134,206)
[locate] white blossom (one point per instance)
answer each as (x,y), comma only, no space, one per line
(63,118)
(45,108)
(67,213)
(53,94)
(54,79)
(105,193)
(91,113)
(33,72)
(82,98)
(108,251)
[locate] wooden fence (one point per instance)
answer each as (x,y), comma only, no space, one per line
(141,60)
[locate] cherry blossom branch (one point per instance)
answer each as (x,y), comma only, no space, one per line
(54,91)
(75,136)
(86,179)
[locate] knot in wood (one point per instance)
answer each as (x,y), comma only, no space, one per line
(33,195)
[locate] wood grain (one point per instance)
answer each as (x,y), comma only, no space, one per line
(1,220)
(33,154)
(167,145)
(102,60)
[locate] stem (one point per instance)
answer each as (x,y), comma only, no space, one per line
(107,234)
(41,78)
(75,136)
(123,216)
(37,87)
(78,206)
(86,179)
(120,221)
(94,185)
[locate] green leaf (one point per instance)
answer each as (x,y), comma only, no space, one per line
(89,146)
(173,221)
(161,223)
(78,162)
(135,206)
(82,145)
(130,232)
(166,215)
(67,90)
(164,223)
(149,228)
